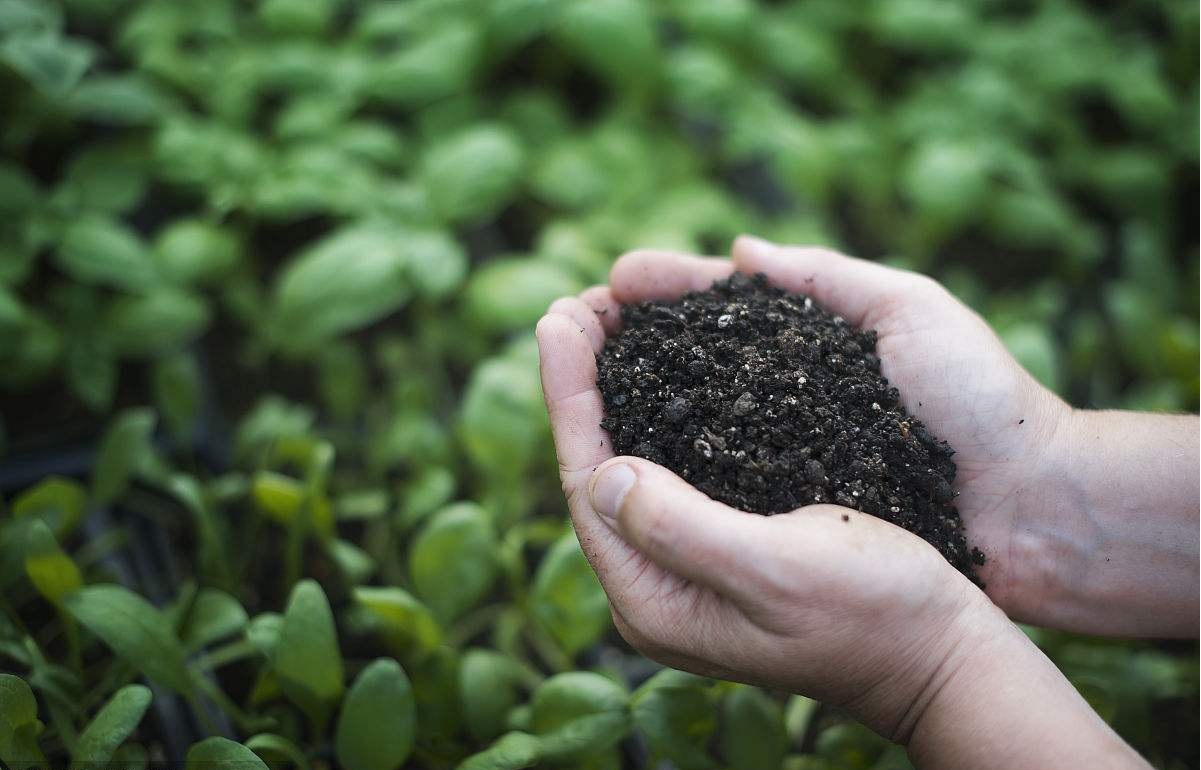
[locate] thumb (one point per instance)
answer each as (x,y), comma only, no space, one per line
(677,526)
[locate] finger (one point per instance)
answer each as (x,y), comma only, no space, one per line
(639,276)
(607,309)
(568,368)
(578,311)
(852,288)
(678,527)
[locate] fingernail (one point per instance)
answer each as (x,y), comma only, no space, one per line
(610,489)
(755,246)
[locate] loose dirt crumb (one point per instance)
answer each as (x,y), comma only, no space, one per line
(767,402)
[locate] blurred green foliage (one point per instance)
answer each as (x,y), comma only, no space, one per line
(277,263)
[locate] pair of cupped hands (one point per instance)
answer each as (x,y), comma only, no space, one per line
(825,601)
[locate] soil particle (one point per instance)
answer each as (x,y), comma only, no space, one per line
(767,402)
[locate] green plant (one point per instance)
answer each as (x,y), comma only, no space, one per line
(268,272)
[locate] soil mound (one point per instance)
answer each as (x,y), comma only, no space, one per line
(767,402)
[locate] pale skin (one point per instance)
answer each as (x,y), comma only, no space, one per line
(1089,519)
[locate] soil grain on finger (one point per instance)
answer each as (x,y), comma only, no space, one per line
(767,402)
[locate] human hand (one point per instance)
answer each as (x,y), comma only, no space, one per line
(825,601)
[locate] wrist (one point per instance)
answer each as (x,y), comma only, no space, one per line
(997,701)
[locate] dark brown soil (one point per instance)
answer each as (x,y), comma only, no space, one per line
(767,402)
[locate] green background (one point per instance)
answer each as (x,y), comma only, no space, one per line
(268,273)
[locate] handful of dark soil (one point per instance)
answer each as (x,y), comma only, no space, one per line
(767,402)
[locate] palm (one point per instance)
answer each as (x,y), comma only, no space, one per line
(956,376)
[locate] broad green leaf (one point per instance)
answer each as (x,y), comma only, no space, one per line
(177,392)
(155,324)
(284,498)
(752,730)
(56,500)
(579,713)
(127,99)
(405,622)
(452,561)
(503,418)
(567,599)
(131,756)
(488,688)
(52,63)
(307,660)
(218,753)
(100,250)
(52,572)
(378,719)
(124,450)
(214,615)
(134,630)
(616,38)
(111,726)
(345,281)
(355,563)
(797,715)
(91,370)
(263,632)
(850,745)
(278,748)
(470,174)
(19,724)
(109,178)
(678,715)
(512,751)
(195,251)
(430,489)
(508,294)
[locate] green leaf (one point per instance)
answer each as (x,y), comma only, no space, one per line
(616,38)
(512,752)
(405,622)
(567,599)
(345,281)
(507,294)
(278,748)
(355,563)
(195,251)
(488,689)
(307,661)
(51,63)
(579,713)
(127,99)
(678,715)
(134,630)
(503,418)
(109,178)
(155,324)
(752,730)
(124,450)
(470,174)
(111,726)
(56,500)
(263,632)
(283,498)
(218,753)
(375,729)
(453,559)
(177,392)
(98,250)
(19,724)
(52,572)
(213,615)
(850,745)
